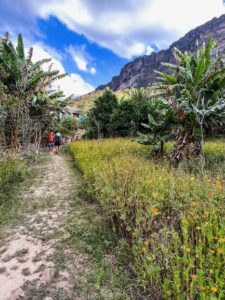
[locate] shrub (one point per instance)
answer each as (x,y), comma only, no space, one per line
(11,171)
(174,221)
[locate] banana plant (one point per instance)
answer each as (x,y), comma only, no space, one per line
(159,122)
(23,81)
(194,90)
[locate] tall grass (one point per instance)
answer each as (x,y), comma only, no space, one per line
(12,172)
(173,220)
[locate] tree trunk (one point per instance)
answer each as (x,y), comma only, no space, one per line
(14,141)
(181,148)
(197,148)
(161,148)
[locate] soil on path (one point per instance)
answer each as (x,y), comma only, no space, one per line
(36,260)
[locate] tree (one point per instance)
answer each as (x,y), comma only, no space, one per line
(122,119)
(195,92)
(141,101)
(44,109)
(101,112)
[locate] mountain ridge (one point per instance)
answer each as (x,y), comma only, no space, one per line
(140,72)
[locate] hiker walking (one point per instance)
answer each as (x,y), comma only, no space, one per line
(57,140)
(50,141)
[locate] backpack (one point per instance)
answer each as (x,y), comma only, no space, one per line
(57,137)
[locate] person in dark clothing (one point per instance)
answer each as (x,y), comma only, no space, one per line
(57,140)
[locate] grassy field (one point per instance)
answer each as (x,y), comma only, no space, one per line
(172,220)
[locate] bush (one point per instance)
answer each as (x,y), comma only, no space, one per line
(174,221)
(67,126)
(12,171)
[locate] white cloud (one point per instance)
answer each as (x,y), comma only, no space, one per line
(149,50)
(81,58)
(92,70)
(72,84)
(126,27)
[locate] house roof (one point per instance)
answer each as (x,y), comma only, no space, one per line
(74,110)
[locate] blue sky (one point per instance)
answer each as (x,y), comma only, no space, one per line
(91,40)
(104,61)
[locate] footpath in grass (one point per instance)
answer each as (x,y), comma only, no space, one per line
(61,247)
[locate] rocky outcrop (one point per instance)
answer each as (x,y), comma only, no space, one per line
(140,72)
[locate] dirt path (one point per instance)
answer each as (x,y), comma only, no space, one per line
(30,254)
(42,258)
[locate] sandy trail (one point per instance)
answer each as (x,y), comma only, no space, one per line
(35,263)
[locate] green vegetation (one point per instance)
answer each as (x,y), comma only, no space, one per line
(101,112)
(112,117)
(91,235)
(12,172)
(65,125)
(28,104)
(195,93)
(183,105)
(172,219)
(159,124)
(15,177)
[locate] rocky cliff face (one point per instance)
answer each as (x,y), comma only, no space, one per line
(140,72)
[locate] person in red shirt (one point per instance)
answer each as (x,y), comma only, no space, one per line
(51,141)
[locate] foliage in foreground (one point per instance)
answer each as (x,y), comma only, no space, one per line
(28,103)
(12,172)
(174,221)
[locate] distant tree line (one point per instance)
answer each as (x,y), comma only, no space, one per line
(110,117)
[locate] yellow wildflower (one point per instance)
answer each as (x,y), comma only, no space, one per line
(214,289)
(210,194)
(212,251)
(219,187)
(194,277)
(154,195)
(154,211)
(185,222)
(188,250)
(206,213)
(220,251)
(211,271)
(193,203)
(144,248)
(149,181)
(222,240)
